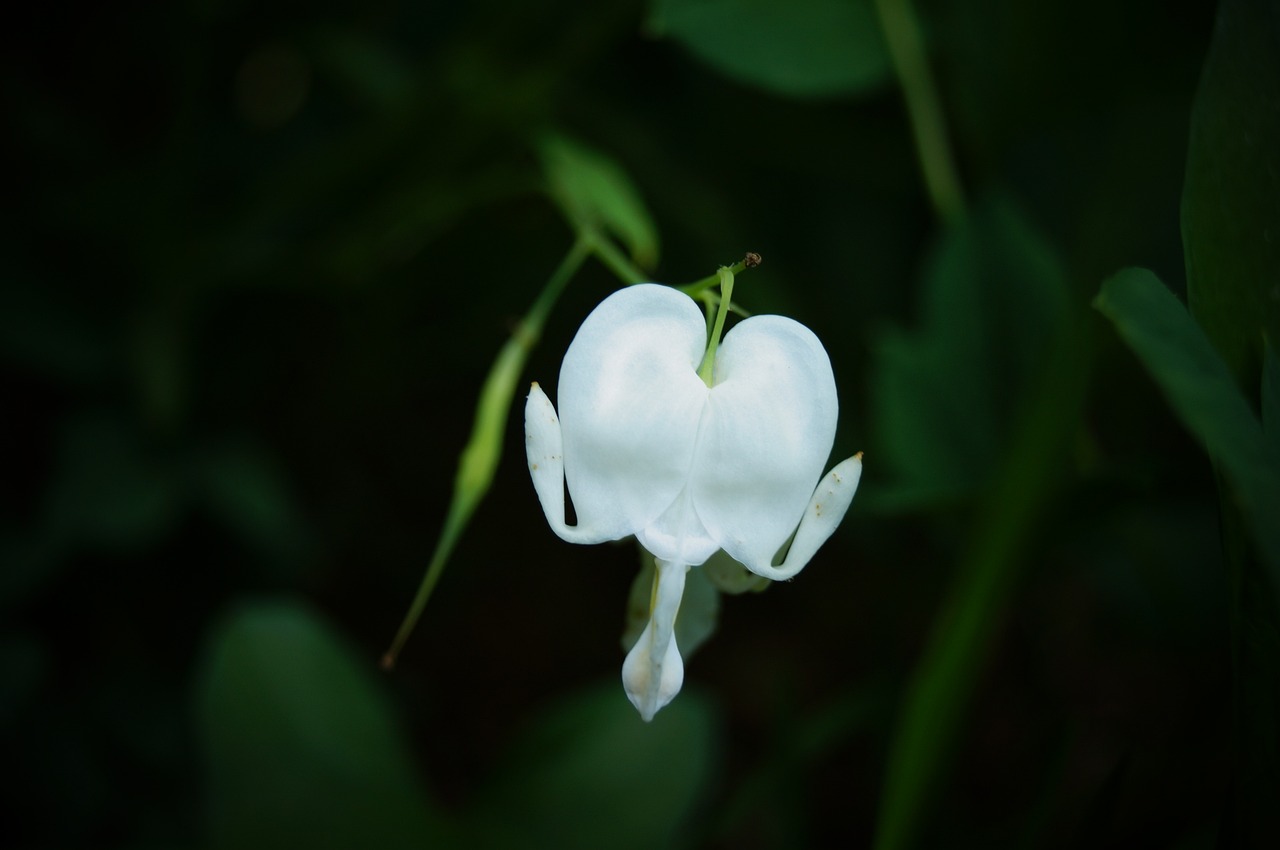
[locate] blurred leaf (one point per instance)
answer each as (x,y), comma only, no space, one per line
(766,799)
(1201,391)
(699,608)
(595,193)
(24,668)
(29,562)
(590,774)
(729,576)
(1231,198)
(109,489)
(302,748)
(803,48)
(1231,239)
(242,488)
(1026,474)
(1271,397)
(945,395)
(367,68)
(50,338)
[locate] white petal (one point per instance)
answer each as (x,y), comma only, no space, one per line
(766,436)
(678,534)
(544,450)
(826,508)
(653,672)
(630,402)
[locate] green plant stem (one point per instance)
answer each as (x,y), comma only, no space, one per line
(607,252)
(706,370)
(480,458)
(906,49)
(942,686)
(695,289)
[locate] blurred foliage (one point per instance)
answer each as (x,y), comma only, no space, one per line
(302,749)
(1231,235)
(1200,388)
(946,397)
(807,48)
(261,260)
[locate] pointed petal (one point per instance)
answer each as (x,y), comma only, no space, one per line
(545,452)
(653,671)
(826,509)
(767,433)
(630,402)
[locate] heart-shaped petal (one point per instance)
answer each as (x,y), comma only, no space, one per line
(648,449)
(769,426)
(630,401)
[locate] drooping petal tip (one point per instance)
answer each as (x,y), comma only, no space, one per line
(653,672)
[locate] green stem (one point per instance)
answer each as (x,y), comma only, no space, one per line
(614,260)
(906,49)
(706,370)
(695,289)
(943,683)
(480,457)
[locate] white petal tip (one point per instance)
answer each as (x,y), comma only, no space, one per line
(826,509)
(651,686)
(653,672)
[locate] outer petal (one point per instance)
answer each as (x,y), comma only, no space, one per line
(630,402)
(826,508)
(766,436)
(544,450)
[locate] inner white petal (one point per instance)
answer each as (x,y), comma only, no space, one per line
(678,535)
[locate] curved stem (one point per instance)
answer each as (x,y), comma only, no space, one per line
(906,49)
(616,261)
(480,457)
(707,370)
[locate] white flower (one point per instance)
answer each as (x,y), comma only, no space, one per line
(649,449)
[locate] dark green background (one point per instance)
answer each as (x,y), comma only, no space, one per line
(257,262)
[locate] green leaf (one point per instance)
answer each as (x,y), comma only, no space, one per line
(1231,198)
(302,748)
(728,576)
(1201,389)
(944,396)
(1271,397)
(595,194)
(1231,239)
(803,48)
(241,486)
(1026,477)
(48,339)
(109,489)
(590,773)
(368,69)
(1204,395)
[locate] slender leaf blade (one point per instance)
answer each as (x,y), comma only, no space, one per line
(1203,393)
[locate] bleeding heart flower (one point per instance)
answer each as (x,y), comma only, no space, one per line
(689,466)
